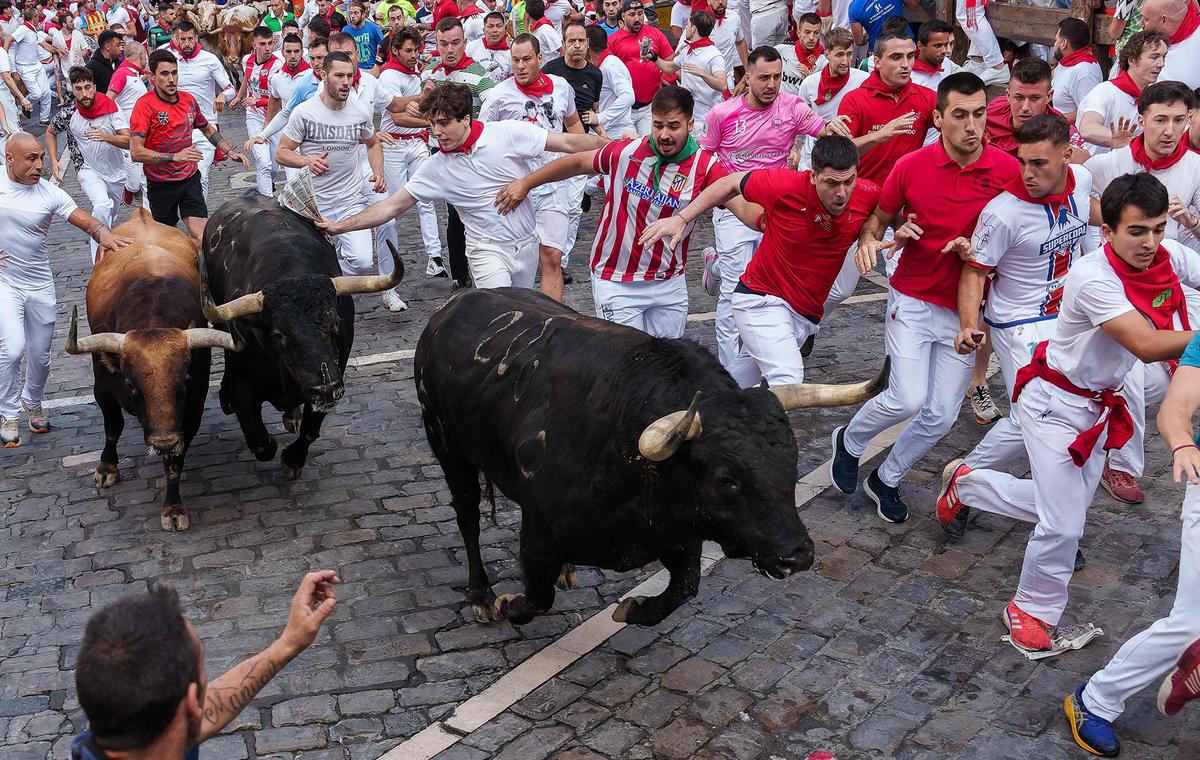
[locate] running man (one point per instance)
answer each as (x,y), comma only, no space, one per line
(201,75)
(258,66)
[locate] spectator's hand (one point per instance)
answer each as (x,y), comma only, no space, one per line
(190,154)
(317,164)
(1186,464)
(312,604)
(969,339)
(1122,132)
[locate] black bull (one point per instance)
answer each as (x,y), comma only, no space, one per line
(620,448)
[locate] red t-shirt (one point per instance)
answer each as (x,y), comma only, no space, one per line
(803,247)
(1001,133)
(947,200)
(167,128)
(872,105)
(645,75)
(445,9)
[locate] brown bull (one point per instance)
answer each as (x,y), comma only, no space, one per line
(150,347)
(226,32)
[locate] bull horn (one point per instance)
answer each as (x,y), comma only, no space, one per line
(348,285)
(802,395)
(243,306)
(206,337)
(664,436)
(100,343)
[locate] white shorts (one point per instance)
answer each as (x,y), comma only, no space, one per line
(551,216)
(502,263)
(658,307)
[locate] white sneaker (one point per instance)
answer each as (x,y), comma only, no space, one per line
(435,267)
(995,76)
(10,433)
(393,301)
(710,280)
(37,418)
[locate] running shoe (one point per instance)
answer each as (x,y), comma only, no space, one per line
(710,280)
(393,301)
(1093,733)
(10,433)
(807,347)
(1121,486)
(1080,562)
(1025,630)
(981,403)
(951,512)
(37,418)
(843,466)
(435,267)
(1182,684)
(888,504)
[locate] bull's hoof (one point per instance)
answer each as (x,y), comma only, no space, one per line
(514,608)
(106,475)
(567,579)
(483,604)
(174,518)
(292,419)
(501,604)
(636,611)
(291,468)
(267,453)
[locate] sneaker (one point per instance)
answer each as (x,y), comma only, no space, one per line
(435,267)
(1025,630)
(710,280)
(807,348)
(1121,486)
(951,512)
(10,433)
(843,466)
(1080,562)
(568,278)
(1182,684)
(37,418)
(1093,733)
(393,301)
(981,403)
(888,505)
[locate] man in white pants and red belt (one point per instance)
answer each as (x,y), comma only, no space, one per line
(928,376)
(258,66)
(1121,303)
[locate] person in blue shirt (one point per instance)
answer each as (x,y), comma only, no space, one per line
(610,18)
(867,17)
(141,681)
(367,35)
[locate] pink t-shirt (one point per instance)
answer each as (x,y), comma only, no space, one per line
(745,139)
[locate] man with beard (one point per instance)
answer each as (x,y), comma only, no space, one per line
(141,680)
(259,65)
(935,42)
(1108,114)
(492,50)
(1077,71)
(700,67)
(1027,94)
(640,47)
(203,76)
(730,39)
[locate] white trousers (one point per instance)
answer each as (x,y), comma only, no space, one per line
(1145,384)
(400,161)
(641,119)
(12,114)
(264,154)
(771,333)
(39,90)
(386,232)
(657,307)
(1056,498)
(769,27)
(845,283)
(927,379)
(353,248)
(1147,656)
(735,244)
(104,196)
(503,263)
(979,31)
(26,330)
(135,173)
(1003,444)
(573,189)
(208,151)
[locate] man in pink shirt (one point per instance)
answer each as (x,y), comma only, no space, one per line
(754,131)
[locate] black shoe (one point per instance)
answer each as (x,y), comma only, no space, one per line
(568,279)
(887,499)
(843,466)
(1080,562)
(460,285)
(806,349)
(585,205)
(957,528)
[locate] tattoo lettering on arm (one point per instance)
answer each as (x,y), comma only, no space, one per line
(226,697)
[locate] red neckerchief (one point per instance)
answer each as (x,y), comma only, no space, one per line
(1083,55)
(128,64)
(179,53)
(463,62)
(501,45)
(543,21)
(1154,291)
(699,44)
(1059,204)
(29,26)
(829,86)
(476,131)
(264,77)
(1187,26)
(469,11)
(808,58)
(875,83)
(1137,146)
(603,55)
(919,66)
(100,106)
(394,65)
(1125,84)
(293,73)
(539,87)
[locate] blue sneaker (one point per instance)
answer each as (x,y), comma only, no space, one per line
(843,466)
(1091,732)
(888,504)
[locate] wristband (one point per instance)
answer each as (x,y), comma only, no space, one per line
(1184,446)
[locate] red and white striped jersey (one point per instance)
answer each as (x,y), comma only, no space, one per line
(639,191)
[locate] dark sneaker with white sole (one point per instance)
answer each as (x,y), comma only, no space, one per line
(843,466)
(888,504)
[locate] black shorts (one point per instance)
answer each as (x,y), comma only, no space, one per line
(173,199)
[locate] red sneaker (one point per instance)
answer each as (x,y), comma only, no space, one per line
(1182,684)
(948,503)
(1026,631)
(1121,486)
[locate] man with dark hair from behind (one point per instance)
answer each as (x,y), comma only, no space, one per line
(1078,71)
(141,679)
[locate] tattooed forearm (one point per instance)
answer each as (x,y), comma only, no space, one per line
(228,695)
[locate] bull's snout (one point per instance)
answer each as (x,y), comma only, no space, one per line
(801,559)
(323,398)
(165,444)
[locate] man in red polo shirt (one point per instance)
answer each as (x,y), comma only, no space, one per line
(779,300)
(888,115)
(942,189)
(1028,94)
(638,46)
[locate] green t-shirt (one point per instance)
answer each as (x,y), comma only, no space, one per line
(276,24)
(158,36)
(518,16)
(381,10)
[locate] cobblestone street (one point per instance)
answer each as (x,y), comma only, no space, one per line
(888,647)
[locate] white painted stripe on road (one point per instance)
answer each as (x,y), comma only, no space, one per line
(65,401)
(84,458)
(389,356)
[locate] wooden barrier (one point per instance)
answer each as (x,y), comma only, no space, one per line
(1031,23)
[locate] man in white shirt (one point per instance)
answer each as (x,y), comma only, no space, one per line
(492,50)
(1077,71)
(549,37)
(729,37)
(823,91)
(203,76)
(935,42)
(768,22)
(28,204)
(124,89)
(1108,114)
(25,50)
(1179,21)
(258,66)
(323,135)
(805,55)
(119,14)
(296,72)
(702,66)
(616,94)
(10,94)
(97,133)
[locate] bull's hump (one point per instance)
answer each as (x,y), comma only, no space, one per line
(512,337)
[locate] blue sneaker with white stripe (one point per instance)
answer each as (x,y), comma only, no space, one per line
(1093,733)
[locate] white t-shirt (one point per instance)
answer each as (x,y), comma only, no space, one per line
(616,97)
(1072,84)
(1183,62)
(1107,100)
(371,92)
(1181,180)
(1092,295)
(404,85)
(551,42)
(473,26)
(203,76)
(132,87)
(497,62)
(506,102)
(726,33)
(119,15)
(26,50)
(106,160)
(827,110)
(319,129)
(1031,250)
(930,80)
(470,181)
(25,215)
(709,59)
(283,84)
(55,38)
(792,76)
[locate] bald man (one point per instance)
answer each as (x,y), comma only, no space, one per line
(1179,20)
(28,204)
